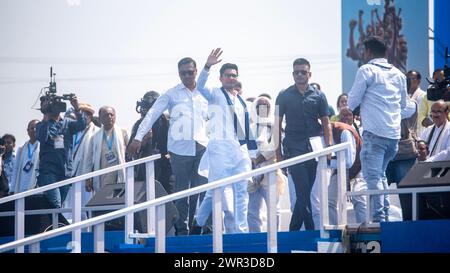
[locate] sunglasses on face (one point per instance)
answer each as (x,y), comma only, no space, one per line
(302,72)
(229,75)
(186,73)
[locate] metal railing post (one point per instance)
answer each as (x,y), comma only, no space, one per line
(19,228)
(76,216)
(414,206)
(35,248)
(342,188)
(99,238)
(160,238)
(150,190)
(55,220)
(323,189)
(272,221)
(217,220)
(129,201)
(368,208)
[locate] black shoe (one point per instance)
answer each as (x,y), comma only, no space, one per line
(195,230)
(180,232)
(206,230)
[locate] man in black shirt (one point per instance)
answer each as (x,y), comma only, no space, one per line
(303,106)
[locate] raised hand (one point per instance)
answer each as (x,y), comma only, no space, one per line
(213,57)
(74,102)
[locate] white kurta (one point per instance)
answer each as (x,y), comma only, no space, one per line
(224,156)
(20,180)
(119,144)
(440,140)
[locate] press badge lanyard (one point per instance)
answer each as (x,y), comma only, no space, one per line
(77,140)
(30,152)
(110,142)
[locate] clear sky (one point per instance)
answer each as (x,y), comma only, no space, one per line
(110,52)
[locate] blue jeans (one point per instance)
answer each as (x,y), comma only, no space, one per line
(395,172)
(56,196)
(376,153)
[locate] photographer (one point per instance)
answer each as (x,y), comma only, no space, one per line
(438,90)
(9,156)
(154,142)
(55,136)
(4,185)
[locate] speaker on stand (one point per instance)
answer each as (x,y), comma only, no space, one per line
(114,194)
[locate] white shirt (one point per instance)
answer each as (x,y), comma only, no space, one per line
(380,89)
(436,145)
(188,112)
(418,95)
(442,156)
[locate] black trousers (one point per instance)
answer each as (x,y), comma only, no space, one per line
(303,175)
(185,169)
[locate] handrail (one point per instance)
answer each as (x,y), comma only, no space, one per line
(160,202)
(401,191)
(61,210)
(77,179)
(413,191)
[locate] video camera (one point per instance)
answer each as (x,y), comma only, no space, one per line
(439,90)
(55,104)
(146,102)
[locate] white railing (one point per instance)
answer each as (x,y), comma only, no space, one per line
(158,205)
(413,191)
(19,199)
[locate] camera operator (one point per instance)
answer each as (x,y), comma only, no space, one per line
(437,90)
(154,142)
(4,184)
(9,156)
(55,136)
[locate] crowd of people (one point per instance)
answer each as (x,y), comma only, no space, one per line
(205,134)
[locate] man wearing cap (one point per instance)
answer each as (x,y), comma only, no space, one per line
(82,160)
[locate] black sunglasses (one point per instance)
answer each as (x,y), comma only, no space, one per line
(298,72)
(186,73)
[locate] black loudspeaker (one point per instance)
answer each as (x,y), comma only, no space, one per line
(430,205)
(34,224)
(114,194)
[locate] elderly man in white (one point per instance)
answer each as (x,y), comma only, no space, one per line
(109,144)
(27,161)
(438,135)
